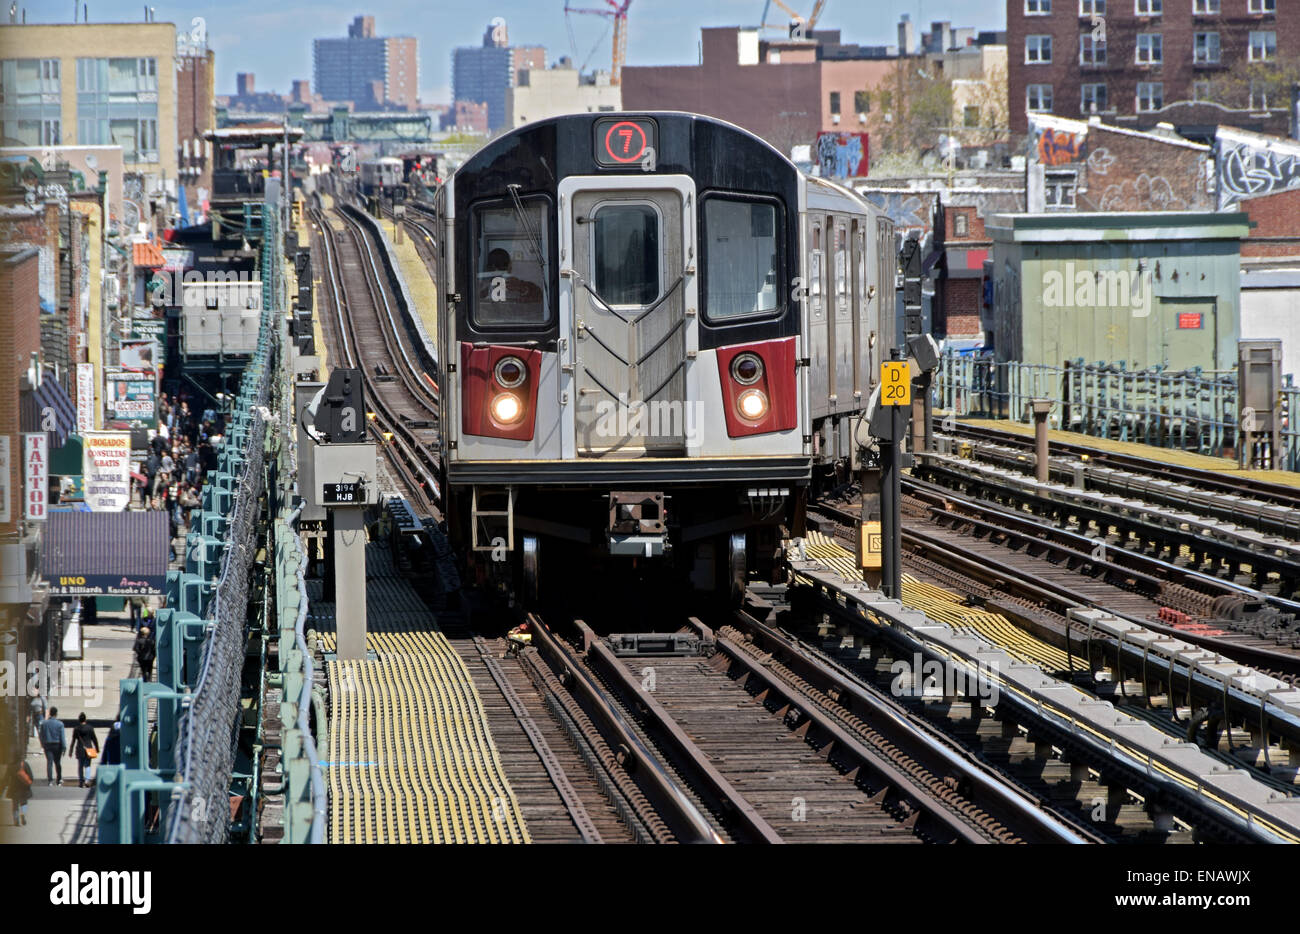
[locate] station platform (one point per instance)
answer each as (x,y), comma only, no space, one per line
(416,273)
(409,757)
(1224,465)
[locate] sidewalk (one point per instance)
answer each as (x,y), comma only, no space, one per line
(65,813)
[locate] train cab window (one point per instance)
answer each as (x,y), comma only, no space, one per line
(512,245)
(625,253)
(741,255)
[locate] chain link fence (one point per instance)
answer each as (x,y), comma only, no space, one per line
(208,727)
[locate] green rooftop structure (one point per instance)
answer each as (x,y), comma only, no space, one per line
(1149,290)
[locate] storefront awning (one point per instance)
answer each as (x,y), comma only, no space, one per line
(105,553)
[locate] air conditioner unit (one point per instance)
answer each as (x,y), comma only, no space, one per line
(835,119)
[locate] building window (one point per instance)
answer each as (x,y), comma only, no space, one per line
(1150,48)
(1092,50)
(1148,7)
(1038,7)
(146,74)
(1205,7)
(1258,97)
(1038,98)
(1038,50)
(1263,6)
(1150,96)
(1201,91)
(835,103)
(862,102)
(1058,189)
(970,116)
(960,225)
(1092,7)
(50,133)
(1092,98)
(1263,46)
(1205,51)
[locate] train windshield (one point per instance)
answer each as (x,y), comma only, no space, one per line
(741,243)
(625,253)
(512,249)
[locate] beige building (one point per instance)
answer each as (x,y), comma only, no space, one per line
(979,89)
(93,84)
(540,93)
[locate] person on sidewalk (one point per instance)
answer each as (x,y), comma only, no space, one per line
(145,652)
(20,789)
(52,741)
(83,741)
(37,707)
(112,754)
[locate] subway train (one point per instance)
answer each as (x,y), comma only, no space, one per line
(658,336)
(382,178)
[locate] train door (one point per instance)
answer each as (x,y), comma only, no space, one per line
(859,304)
(818,351)
(629,282)
(842,271)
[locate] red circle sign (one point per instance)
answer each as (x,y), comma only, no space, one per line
(621,141)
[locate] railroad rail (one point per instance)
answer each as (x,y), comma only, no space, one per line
(1176,782)
(1045,602)
(1230,494)
(363,325)
(762,751)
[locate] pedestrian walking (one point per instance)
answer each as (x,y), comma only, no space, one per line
(37,707)
(20,790)
(133,604)
(145,653)
(52,741)
(85,746)
(112,754)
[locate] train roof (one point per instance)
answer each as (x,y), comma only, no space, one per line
(718,154)
(384,160)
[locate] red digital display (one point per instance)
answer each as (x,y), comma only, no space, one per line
(620,142)
(1189,321)
(625,141)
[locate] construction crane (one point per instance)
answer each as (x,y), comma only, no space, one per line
(618,13)
(803,24)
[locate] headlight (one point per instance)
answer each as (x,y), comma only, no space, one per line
(510,372)
(506,408)
(747,369)
(752,404)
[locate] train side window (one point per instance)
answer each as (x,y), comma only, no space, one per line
(742,245)
(512,246)
(625,253)
(841,266)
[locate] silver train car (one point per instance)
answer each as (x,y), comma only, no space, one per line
(384,177)
(658,335)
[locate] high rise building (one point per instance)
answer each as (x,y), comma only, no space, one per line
(483,74)
(1136,63)
(347,69)
(93,84)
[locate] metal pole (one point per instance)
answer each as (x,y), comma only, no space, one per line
(891,491)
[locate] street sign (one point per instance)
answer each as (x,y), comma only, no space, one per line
(895,383)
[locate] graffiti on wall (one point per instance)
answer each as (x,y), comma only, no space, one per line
(842,155)
(1058,147)
(1246,169)
(910,213)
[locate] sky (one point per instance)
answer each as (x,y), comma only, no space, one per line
(273,40)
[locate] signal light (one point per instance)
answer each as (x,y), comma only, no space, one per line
(752,405)
(507,409)
(510,372)
(747,369)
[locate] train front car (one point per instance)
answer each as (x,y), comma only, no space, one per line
(632,343)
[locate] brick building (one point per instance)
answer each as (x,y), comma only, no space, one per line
(195,116)
(1073,165)
(346,68)
(1137,63)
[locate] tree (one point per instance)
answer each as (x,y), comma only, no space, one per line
(915,104)
(1255,85)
